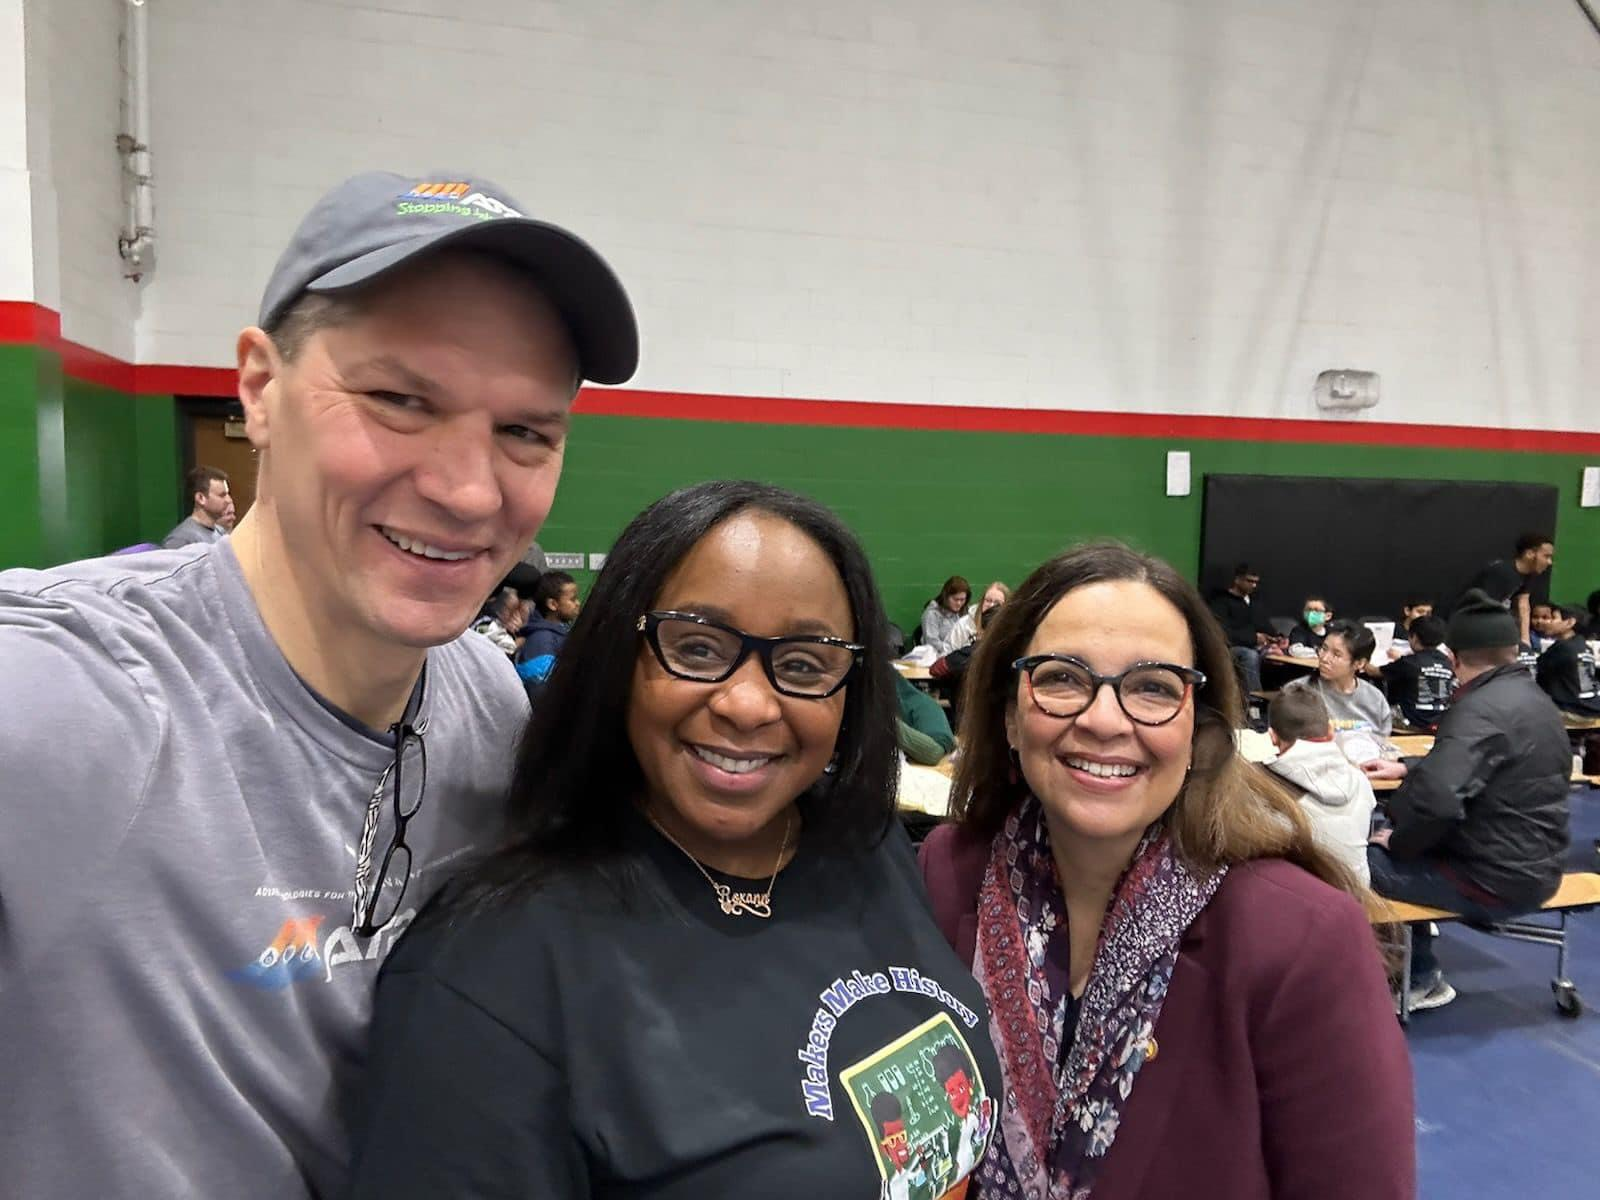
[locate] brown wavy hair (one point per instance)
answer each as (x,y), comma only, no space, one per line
(1228,811)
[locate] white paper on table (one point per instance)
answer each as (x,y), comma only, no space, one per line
(924,789)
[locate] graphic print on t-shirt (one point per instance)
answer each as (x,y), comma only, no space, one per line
(925,1110)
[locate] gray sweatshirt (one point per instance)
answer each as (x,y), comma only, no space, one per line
(183,1004)
(1363,709)
(189,532)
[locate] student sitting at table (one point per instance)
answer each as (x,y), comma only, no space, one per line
(1540,618)
(924,731)
(1422,682)
(1305,639)
(1411,610)
(1353,703)
(946,624)
(1566,669)
(1480,824)
(1331,789)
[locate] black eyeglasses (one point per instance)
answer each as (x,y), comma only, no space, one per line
(705,651)
(1149,693)
(377,900)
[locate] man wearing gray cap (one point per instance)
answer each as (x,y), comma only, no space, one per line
(233,772)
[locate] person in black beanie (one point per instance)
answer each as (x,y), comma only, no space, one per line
(1480,824)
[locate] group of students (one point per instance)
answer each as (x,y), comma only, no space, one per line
(531,629)
(292,919)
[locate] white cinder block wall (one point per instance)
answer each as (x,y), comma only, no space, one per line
(74,88)
(1143,205)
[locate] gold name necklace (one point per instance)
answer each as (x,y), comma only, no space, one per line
(737,904)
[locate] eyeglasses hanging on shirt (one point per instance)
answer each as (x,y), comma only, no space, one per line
(378,896)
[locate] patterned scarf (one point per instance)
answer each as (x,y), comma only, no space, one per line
(1061,1109)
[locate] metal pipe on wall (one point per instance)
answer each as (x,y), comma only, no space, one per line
(137,244)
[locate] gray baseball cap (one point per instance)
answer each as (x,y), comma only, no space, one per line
(373,223)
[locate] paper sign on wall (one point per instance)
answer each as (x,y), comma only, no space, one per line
(563,562)
(1177,472)
(1589,493)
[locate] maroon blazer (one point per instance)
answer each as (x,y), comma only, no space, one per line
(1280,1071)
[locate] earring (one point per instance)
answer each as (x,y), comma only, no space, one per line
(833,766)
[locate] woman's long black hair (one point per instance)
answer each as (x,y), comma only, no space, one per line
(576,774)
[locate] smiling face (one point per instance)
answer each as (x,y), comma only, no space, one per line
(410,454)
(724,762)
(1101,777)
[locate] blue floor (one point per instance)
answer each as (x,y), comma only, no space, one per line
(1508,1091)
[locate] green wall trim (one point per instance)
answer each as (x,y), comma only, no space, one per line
(84,468)
(930,503)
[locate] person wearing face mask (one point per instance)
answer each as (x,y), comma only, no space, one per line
(1311,628)
(703,963)
(1184,983)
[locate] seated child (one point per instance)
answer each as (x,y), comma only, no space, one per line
(1311,628)
(1422,682)
(1352,702)
(1333,791)
(1566,670)
(1540,617)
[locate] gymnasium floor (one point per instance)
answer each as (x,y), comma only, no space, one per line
(1508,1091)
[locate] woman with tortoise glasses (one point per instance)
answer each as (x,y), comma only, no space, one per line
(1184,985)
(704,964)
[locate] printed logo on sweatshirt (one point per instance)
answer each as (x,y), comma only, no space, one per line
(293,955)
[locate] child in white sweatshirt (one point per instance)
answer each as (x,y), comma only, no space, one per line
(1333,791)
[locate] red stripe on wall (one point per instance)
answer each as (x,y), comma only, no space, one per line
(24,323)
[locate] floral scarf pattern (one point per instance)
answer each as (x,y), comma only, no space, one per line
(1063,1103)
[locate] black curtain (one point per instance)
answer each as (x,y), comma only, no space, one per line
(1365,544)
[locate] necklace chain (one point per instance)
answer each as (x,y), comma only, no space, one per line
(737,904)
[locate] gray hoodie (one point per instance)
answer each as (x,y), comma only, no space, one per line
(1337,797)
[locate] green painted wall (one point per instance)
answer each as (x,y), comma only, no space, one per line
(84,469)
(928,504)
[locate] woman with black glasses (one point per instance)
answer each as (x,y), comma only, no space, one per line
(704,964)
(1187,998)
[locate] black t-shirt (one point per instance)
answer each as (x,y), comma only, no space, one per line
(568,1045)
(1567,672)
(1422,685)
(1500,579)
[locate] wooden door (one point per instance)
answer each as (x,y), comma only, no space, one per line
(220,442)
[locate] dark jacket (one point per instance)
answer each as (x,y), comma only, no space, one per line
(1489,802)
(1280,1070)
(1238,619)
(1566,672)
